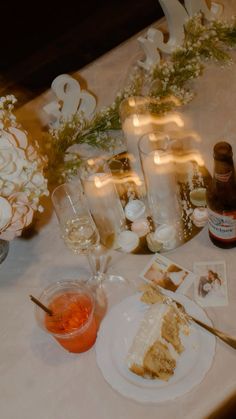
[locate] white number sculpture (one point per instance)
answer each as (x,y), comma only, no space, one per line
(176,16)
(71,99)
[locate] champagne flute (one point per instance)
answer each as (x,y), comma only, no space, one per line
(78,228)
(105,206)
(103,200)
(80,233)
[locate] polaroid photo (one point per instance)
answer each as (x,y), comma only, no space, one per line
(210,285)
(167,274)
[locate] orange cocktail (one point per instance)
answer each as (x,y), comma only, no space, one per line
(73,323)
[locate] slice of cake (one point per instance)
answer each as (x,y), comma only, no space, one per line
(157,344)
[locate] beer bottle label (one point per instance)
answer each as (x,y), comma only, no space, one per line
(222,226)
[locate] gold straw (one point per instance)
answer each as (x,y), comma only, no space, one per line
(46,309)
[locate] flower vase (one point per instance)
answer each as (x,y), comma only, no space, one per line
(4,248)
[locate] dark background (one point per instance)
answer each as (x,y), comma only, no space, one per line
(45,38)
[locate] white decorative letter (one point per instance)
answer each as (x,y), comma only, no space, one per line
(150,49)
(195,6)
(176,17)
(71,99)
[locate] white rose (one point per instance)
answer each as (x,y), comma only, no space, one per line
(11,159)
(19,136)
(8,188)
(36,184)
(22,215)
(32,153)
(6,140)
(5,213)
(38,180)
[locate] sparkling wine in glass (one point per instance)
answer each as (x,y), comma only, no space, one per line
(78,228)
(80,233)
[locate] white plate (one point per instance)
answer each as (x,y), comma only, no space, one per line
(116,333)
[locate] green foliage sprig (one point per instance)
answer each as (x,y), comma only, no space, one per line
(171,78)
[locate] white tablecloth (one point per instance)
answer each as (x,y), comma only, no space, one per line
(38,379)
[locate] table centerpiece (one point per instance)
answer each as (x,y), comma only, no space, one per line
(22,182)
(169,83)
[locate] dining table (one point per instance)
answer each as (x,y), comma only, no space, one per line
(38,378)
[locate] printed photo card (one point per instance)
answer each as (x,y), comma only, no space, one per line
(167,274)
(210,286)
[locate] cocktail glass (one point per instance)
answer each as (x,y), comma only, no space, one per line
(73,323)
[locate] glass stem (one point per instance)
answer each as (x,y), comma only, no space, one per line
(98,260)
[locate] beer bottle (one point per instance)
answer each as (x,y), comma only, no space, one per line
(221,198)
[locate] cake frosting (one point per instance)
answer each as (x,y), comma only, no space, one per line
(157,345)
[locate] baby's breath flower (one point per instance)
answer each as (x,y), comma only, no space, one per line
(172,76)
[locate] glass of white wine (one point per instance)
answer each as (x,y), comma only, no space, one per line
(78,228)
(81,235)
(77,225)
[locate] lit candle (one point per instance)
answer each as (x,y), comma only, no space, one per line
(138,120)
(134,127)
(105,206)
(160,180)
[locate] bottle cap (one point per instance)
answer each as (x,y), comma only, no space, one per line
(222,150)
